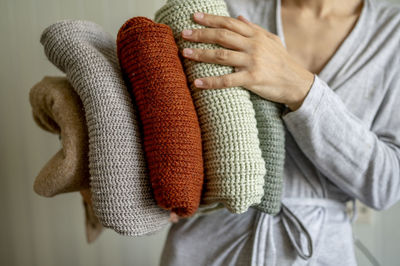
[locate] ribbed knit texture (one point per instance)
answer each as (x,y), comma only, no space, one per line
(121,191)
(149,58)
(178,15)
(234,165)
(58,109)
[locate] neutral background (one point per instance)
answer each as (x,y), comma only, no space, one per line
(41,231)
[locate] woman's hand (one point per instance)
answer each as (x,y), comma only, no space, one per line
(261,62)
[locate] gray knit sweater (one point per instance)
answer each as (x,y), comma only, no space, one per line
(122,196)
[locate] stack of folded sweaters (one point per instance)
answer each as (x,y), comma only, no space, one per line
(139,140)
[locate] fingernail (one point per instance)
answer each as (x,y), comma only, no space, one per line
(198,83)
(187,32)
(198,15)
(187,51)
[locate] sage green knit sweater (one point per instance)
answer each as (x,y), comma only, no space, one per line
(238,127)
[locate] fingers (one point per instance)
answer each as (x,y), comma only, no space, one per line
(229,23)
(244,41)
(235,79)
(223,37)
(250,24)
(260,29)
(217,56)
(173,217)
(226,31)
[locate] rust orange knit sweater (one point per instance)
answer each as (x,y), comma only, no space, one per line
(149,59)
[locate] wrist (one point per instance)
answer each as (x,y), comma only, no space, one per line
(300,92)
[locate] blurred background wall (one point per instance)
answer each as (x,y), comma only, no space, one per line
(41,231)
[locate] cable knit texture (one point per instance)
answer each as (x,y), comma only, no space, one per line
(57,108)
(149,59)
(121,191)
(234,165)
(231,110)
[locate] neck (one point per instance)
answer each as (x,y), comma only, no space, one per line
(323,8)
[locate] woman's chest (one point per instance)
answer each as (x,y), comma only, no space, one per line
(312,41)
(327,49)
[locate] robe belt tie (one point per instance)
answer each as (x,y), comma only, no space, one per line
(294,226)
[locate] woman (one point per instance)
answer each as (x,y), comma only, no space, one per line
(336,66)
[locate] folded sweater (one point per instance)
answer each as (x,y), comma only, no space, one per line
(121,191)
(237,124)
(149,59)
(57,108)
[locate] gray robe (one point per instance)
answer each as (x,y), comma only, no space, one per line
(343,143)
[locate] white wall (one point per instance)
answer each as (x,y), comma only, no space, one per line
(40,231)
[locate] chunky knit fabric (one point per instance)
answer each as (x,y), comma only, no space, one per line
(234,165)
(57,108)
(121,191)
(177,14)
(171,133)
(271,133)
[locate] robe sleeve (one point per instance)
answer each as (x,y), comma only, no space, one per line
(363,162)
